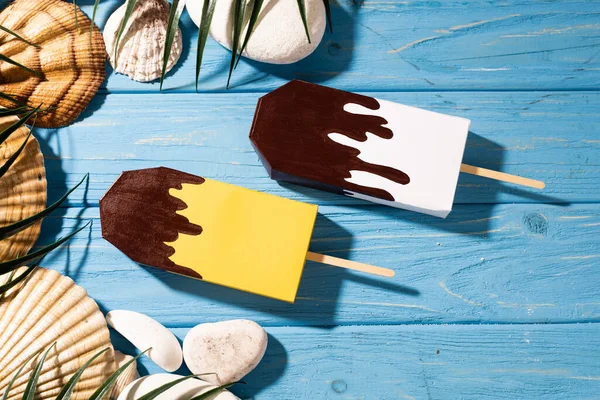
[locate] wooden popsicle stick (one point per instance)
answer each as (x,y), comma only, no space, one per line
(501,176)
(340,262)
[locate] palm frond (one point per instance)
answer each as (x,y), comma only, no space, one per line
(14,379)
(4,168)
(13,62)
(75,12)
(328,12)
(93,18)
(103,390)
(67,390)
(12,229)
(12,99)
(256,7)
(161,389)
(21,38)
(172,27)
(302,10)
(238,19)
(130,5)
(12,282)
(208,9)
(9,130)
(31,387)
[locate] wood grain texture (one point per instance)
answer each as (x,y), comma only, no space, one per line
(415,45)
(425,362)
(549,136)
(521,263)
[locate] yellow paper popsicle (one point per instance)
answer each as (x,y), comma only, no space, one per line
(209,230)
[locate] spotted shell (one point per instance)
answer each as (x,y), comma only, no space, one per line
(71,62)
(142,44)
(22,189)
(50,308)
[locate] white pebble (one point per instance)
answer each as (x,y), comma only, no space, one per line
(231,349)
(144,332)
(278,37)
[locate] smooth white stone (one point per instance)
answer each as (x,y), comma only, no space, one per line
(144,332)
(182,391)
(231,349)
(278,37)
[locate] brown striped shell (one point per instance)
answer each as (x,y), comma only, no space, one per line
(50,308)
(71,62)
(22,189)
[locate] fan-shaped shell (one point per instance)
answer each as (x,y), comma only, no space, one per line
(71,61)
(22,189)
(142,44)
(50,308)
(129,375)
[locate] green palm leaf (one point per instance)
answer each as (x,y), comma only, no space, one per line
(130,5)
(21,38)
(13,380)
(67,390)
(13,158)
(328,12)
(10,230)
(302,9)
(12,99)
(93,18)
(29,393)
(11,265)
(9,131)
(208,9)
(161,389)
(172,27)
(103,390)
(256,7)
(7,112)
(13,62)
(75,12)
(238,19)
(14,282)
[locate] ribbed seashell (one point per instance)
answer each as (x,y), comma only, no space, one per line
(129,375)
(22,189)
(50,308)
(71,61)
(142,44)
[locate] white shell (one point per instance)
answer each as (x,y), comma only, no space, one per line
(278,37)
(144,333)
(231,349)
(45,309)
(182,391)
(129,375)
(141,48)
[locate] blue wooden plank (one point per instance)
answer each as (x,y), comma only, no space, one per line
(547,135)
(519,263)
(424,362)
(416,45)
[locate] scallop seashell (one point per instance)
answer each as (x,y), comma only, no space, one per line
(129,375)
(71,62)
(50,308)
(22,189)
(142,44)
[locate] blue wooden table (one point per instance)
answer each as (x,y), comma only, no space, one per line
(500,300)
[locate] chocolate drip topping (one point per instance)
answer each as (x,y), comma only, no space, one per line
(290,132)
(139,215)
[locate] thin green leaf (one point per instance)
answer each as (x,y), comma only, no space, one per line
(13,62)
(11,265)
(161,389)
(302,9)
(108,383)
(8,281)
(207,395)
(93,19)
(10,230)
(75,11)
(9,131)
(21,38)
(208,9)
(13,380)
(328,13)
(238,19)
(67,390)
(14,282)
(10,98)
(4,168)
(256,7)
(172,27)
(29,393)
(128,10)
(7,112)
